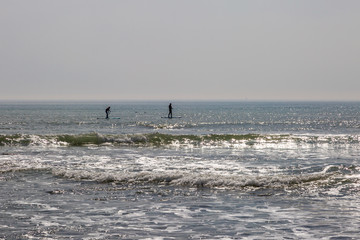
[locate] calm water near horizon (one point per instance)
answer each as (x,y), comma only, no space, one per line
(222,170)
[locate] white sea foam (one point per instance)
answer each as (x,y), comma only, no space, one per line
(183,178)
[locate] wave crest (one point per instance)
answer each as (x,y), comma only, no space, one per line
(159,139)
(203,180)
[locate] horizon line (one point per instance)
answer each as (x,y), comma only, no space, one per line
(166,100)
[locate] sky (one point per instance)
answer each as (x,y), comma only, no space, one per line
(291,50)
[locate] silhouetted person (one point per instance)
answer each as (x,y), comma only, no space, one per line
(170,111)
(107,111)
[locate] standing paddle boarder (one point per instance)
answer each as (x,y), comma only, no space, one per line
(170,111)
(107,111)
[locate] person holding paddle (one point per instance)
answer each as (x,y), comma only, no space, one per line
(170,111)
(107,111)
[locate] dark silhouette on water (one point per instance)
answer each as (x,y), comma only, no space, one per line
(170,111)
(107,111)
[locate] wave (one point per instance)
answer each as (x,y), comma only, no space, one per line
(329,176)
(159,139)
(157,126)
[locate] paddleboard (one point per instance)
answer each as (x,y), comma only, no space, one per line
(170,117)
(109,118)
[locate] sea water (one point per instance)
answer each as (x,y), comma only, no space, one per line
(224,170)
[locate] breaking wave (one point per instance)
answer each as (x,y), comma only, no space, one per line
(159,139)
(330,175)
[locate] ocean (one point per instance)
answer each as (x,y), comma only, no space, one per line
(219,170)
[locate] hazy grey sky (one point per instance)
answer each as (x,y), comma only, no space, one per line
(179,50)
